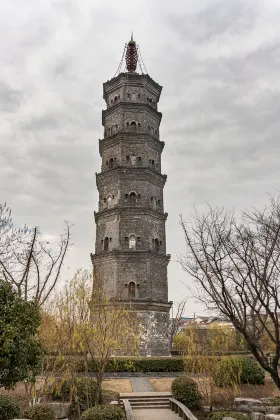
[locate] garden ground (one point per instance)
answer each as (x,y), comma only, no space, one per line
(223,396)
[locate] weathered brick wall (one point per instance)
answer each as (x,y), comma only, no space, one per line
(128,154)
(130,223)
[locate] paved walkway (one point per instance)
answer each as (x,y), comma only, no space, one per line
(160,414)
(141,385)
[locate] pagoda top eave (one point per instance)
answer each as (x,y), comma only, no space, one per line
(112,83)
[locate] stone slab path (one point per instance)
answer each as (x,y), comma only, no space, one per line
(141,385)
(160,414)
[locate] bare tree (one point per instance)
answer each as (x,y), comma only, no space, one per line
(236,267)
(27,261)
(176,319)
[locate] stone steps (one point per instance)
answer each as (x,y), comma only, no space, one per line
(147,400)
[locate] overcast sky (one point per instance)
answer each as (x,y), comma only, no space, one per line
(219,65)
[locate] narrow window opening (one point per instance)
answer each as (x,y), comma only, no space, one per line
(106,243)
(156,244)
(132,199)
(111,163)
(132,242)
(131,290)
(109,201)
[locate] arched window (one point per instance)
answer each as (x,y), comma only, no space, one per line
(132,242)
(132,199)
(106,244)
(116,98)
(133,125)
(109,201)
(111,163)
(157,244)
(133,159)
(131,290)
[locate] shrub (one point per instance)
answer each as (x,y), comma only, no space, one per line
(239,370)
(80,392)
(252,373)
(218,415)
(103,412)
(9,408)
(123,364)
(39,412)
(185,390)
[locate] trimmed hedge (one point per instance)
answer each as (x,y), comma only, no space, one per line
(103,412)
(124,364)
(9,408)
(218,415)
(185,390)
(39,412)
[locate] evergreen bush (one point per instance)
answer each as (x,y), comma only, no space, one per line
(9,408)
(104,412)
(252,372)
(186,391)
(219,415)
(39,412)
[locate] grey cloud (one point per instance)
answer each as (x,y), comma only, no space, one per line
(218,63)
(10,99)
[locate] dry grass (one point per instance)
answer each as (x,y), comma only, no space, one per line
(162,384)
(117,385)
(18,394)
(223,397)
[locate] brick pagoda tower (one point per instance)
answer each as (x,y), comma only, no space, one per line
(130,252)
